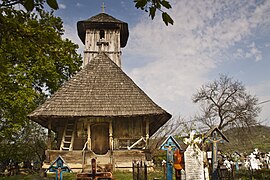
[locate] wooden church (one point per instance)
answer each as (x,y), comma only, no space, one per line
(100,112)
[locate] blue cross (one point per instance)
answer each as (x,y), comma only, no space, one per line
(59,168)
(169,145)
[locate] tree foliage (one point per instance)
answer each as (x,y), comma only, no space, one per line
(29,143)
(226,103)
(29,5)
(149,6)
(34,62)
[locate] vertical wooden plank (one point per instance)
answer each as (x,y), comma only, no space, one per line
(145,171)
(88,136)
(111,135)
(147,133)
(49,143)
(73,135)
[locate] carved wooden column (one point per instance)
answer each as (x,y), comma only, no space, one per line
(147,133)
(89,136)
(49,143)
(111,135)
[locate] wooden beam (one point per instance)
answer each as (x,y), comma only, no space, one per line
(147,133)
(49,142)
(111,135)
(89,147)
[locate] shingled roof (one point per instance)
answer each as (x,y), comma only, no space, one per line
(100,89)
(100,21)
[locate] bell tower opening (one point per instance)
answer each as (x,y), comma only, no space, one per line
(101,34)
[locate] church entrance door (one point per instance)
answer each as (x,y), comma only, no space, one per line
(100,138)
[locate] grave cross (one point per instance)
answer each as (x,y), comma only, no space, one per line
(58,167)
(216,137)
(169,145)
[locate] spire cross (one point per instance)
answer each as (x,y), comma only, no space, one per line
(103,7)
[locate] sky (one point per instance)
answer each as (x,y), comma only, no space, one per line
(208,38)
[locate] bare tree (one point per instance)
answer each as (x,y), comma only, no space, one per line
(172,127)
(225,103)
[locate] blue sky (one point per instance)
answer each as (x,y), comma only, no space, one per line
(210,37)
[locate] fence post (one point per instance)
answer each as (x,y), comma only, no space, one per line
(138,171)
(145,171)
(133,170)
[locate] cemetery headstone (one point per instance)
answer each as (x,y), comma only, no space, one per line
(193,158)
(268,160)
(253,162)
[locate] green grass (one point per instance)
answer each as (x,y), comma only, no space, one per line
(71,176)
(240,175)
(128,175)
(51,176)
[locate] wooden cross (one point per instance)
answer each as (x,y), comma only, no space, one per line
(58,167)
(103,7)
(215,139)
(169,145)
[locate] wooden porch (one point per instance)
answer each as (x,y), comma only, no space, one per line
(80,161)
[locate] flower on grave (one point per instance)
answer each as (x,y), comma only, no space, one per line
(191,140)
(193,143)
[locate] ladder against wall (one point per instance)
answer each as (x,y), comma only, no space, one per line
(68,135)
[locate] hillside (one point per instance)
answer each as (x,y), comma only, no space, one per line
(246,139)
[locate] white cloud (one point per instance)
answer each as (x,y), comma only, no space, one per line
(62,6)
(78,4)
(255,52)
(262,92)
(171,63)
(178,58)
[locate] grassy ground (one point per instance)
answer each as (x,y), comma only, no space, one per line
(72,176)
(128,175)
(67,176)
(240,175)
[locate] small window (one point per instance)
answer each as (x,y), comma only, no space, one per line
(101,34)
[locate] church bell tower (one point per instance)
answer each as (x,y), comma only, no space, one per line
(103,33)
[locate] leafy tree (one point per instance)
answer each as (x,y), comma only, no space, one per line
(34,62)
(29,144)
(226,103)
(149,6)
(29,4)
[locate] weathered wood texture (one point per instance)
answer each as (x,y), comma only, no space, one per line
(111,114)
(109,44)
(101,89)
(120,159)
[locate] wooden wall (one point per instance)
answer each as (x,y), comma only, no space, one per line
(127,131)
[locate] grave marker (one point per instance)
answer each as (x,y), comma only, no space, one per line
(58,166)
(169,145)
(193,158)
(215,136)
